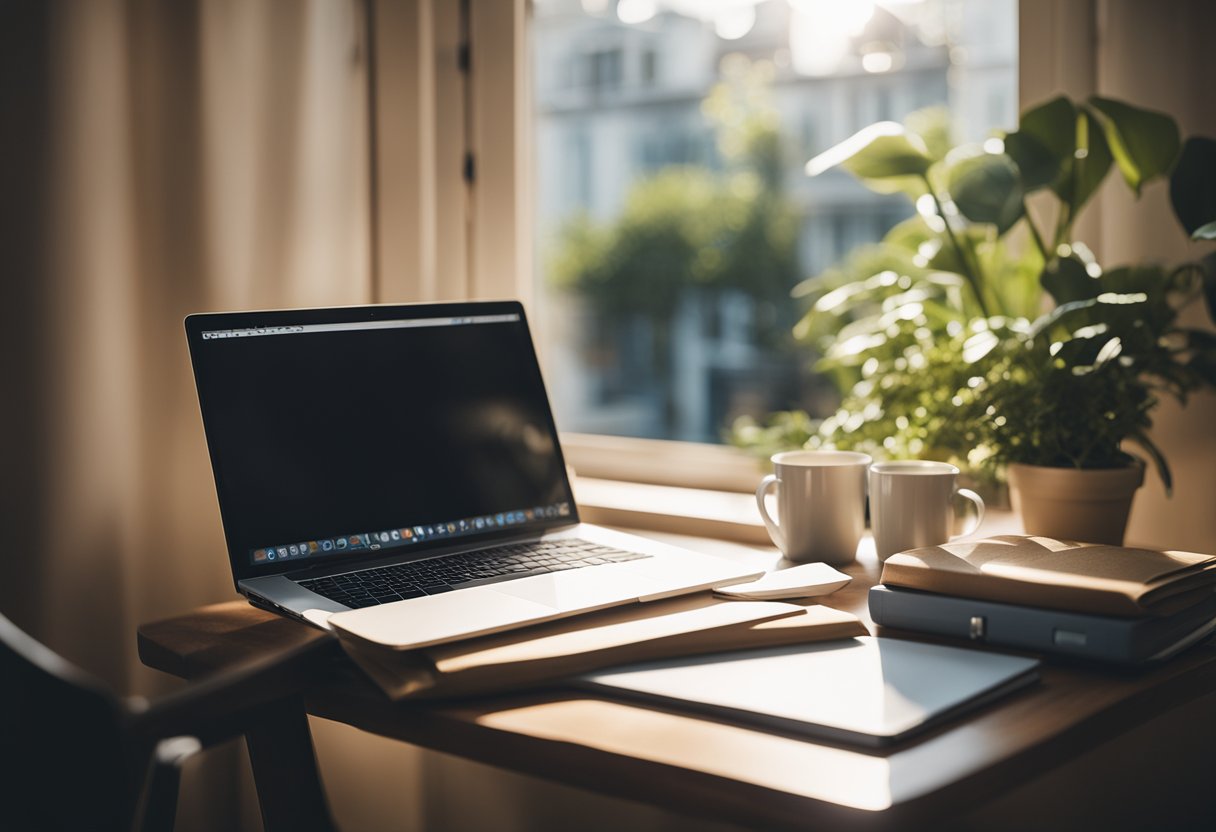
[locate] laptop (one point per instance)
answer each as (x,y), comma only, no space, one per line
(395,472)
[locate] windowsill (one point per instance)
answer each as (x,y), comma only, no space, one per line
(698,512)
(692,465)
(726,515)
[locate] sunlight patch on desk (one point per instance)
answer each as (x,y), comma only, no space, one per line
(835,775)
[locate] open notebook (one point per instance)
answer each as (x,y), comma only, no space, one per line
(1058,574)
(869,691)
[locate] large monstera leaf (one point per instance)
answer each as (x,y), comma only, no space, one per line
(1144,143)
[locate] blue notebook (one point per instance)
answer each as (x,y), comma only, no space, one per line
(868,691)
(1100,638)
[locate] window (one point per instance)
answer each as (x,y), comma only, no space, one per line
(547,147)
(672,217)
(603,69)
(649,67)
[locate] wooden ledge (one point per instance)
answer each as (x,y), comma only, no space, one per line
(224,635)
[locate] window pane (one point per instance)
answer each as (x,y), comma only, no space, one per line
(673,213)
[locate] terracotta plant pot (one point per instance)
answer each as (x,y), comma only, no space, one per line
(1087,505)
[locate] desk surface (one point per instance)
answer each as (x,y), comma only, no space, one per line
(703,767)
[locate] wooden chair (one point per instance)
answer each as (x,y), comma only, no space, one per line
(78,757)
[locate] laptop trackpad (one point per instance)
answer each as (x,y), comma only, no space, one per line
(581,589)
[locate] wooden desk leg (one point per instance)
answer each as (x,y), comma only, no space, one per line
(285,771)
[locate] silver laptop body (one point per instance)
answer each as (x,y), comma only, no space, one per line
(368,446)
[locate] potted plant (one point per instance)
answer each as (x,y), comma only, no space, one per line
(937,334)
(1061,400)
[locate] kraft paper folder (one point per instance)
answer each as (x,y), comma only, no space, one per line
(1058,574)
(686,626)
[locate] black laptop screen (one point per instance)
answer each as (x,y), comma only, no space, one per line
(400,429)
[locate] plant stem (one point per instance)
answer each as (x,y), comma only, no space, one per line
(1068,209)
(963,260)
(1062,223)
(1034,232)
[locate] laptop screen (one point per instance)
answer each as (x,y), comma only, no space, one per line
(338,434)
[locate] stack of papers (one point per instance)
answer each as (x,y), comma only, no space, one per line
(686,626)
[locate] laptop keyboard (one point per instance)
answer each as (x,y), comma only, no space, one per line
(386,584)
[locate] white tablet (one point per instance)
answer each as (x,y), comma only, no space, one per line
(871,691)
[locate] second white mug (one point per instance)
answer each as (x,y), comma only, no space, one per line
(912,505)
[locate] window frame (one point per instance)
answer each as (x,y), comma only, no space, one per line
(458,237)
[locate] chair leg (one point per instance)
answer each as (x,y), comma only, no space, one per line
(285,773)
(164,782)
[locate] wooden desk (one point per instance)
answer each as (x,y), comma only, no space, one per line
(1130,749)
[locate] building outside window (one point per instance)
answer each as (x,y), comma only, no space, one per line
(673,213)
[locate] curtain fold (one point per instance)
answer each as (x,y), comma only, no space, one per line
(156,159)
(160,159)
(1156,55)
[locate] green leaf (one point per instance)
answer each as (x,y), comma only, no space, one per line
(839,297)
(1208,264)
(1193,187)
(932,124)
(980,345)
(1121,313)
(1201,343)
(1155,313)
(846,351)
(1091,161)
(1039,167)
(883,155)
(1163,469)
(1088,351)
(1151,279)
(1066,279)
(1143,142)
(947,280)
(986,188)
(1052,125)
(1204,366)
(1042,146)
(947,259)
(1059,146)
(910,234)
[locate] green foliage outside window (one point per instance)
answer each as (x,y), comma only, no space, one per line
(696,228)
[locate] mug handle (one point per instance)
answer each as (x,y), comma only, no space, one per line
(968,494)
(774,531)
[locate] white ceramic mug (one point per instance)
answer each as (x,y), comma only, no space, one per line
(912,505)
(821,503)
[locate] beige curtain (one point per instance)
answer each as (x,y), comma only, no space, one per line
(1160,55)
(157,158)
(195,156)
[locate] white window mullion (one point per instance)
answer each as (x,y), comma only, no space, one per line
(418,119)
(500,133)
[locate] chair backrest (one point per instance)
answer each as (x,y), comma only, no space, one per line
(68,760)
